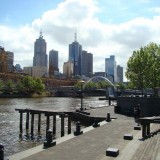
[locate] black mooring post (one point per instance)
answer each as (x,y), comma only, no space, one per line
(27,124)
(62,124)
(1,152)
(39,124)
(78,129)
(32,125)
(49,140)
(108,117)
(47,123)
(54,126)
(69,124)
(109,100)
(21,125)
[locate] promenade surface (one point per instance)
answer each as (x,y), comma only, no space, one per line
(92,144)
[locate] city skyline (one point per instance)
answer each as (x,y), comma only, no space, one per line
(103,28)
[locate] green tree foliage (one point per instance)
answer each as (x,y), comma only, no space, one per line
(93,85)
(120,85)
(9,86)
(103,84)
(27,85)
(1,85)
(38,86)
(32,85)
(143,67)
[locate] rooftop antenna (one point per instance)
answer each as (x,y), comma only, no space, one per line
(75,36)
(41,36)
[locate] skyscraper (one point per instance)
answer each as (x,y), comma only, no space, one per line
(87,64)
(6,60)
(75,52)
(53,62)
(10,58)
(111,69)
(40,56)
(119,74)
(68,69)
(3,60)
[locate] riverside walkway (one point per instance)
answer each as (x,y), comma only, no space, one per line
(92,144)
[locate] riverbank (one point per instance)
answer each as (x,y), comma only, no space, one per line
(23,95)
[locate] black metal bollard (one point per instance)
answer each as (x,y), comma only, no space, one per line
(109,100)
(108,117)
(95,124)
(49,136)
(49,140)
(1,152)
(78,129)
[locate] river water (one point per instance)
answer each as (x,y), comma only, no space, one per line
(9,118)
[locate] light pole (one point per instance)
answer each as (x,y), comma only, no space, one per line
(81,83)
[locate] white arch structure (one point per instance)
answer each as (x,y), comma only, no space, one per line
(101,77)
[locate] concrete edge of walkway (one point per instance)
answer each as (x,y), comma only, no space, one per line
(39,148)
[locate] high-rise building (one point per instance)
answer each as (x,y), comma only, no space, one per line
(35,71)
(111,69)
(119,74)
(53,62)
(3,60)
(10,58)
(87,64)
(40,56)
(68,69)
(75,52)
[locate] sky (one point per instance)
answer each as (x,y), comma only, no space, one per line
(103,27)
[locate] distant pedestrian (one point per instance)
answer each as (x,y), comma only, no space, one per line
(137,113)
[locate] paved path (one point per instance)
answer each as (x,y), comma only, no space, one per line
(92,144)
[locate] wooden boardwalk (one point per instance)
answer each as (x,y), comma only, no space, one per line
(149,149)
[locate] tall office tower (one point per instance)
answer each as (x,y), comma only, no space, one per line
(75,52)
(87,64)
(10,58)
(40,56)
(68,69)
(3,60)
(119,74)
(53,62)
(111,69)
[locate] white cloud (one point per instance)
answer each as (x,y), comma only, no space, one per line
(59,25)
(156,10)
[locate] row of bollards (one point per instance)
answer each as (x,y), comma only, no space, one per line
(49,139)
